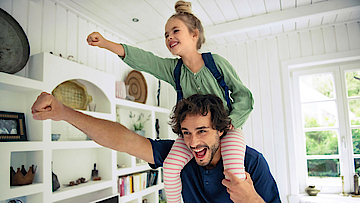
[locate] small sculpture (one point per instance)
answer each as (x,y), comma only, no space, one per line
(158,94)
(157,127)
(311,190)
(18,178)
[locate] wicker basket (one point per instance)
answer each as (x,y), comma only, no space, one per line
(72,94)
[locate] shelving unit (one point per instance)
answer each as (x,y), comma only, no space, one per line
(73,155)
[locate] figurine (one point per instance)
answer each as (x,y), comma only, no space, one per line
(158,95)
(157,127)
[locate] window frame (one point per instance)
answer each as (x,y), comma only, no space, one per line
(343,128)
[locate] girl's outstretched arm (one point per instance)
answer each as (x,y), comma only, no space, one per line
(96,39)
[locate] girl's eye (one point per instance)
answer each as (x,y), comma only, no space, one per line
(166,36)
(175,31)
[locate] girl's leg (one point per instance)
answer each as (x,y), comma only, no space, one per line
(177,158)
(233,152)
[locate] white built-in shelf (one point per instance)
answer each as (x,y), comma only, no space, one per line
(142,193)
(17,191)
(10,82)
(21,146)
(140,106)
(106,116)
(69,192)
(131,170)
(74,144)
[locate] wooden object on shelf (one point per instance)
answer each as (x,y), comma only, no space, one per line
(73,94)
(18,179)
(137,86)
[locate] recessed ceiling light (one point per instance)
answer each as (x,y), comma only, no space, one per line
(135,20)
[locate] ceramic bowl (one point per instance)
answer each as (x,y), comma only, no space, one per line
(55,137)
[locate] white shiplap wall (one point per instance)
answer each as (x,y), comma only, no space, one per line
(258,63)
(53,27)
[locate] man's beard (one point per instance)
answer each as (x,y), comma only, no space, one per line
(214,148)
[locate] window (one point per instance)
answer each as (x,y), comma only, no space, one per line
(327,115)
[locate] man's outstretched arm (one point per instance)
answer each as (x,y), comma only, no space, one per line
(107,133)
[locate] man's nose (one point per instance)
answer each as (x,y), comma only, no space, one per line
(194,141)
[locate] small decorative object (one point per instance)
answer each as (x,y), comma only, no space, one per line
(12,126)
(94,173)
(14,45)
(77,182)
(17,200)
(157,128)
(120,90)
(72,94)
(137,86)
(139,123)
(18,178)
(158,94)
(55,137)
(343,187)
(356,184)
(92,107)
(55,181)
(311,190)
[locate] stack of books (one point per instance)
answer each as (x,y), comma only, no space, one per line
(136,182)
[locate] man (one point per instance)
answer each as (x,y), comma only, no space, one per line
(202,121)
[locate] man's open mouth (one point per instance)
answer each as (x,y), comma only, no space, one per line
(200,153)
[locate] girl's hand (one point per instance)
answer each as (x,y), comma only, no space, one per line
(96,39)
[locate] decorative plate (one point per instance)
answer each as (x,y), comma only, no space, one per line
(137,86)
(14,45)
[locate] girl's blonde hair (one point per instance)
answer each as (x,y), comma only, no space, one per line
(183,12)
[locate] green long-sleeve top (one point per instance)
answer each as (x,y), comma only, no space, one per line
(202,82)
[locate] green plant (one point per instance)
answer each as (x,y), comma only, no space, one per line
(140,121)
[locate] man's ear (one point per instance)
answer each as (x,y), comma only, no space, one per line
(220,133)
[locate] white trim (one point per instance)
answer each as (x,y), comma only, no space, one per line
(286,67)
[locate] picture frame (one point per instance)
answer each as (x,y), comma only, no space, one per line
(12,126)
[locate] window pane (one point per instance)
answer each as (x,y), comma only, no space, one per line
(352,84)
(354,111)
(323,167)
(356,140)
(321,143)
(357,166)
(320,114)
(316,87)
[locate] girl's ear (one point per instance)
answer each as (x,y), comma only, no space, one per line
(196,33)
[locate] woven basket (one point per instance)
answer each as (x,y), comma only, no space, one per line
(72,94)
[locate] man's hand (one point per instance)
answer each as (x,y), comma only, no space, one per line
(96,39)
(48,107)
(241,191)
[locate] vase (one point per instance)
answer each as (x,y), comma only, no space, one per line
(311,190)
(140,132)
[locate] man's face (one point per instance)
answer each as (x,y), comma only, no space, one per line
(202,140)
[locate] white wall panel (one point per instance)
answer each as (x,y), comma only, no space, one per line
(329,39)
(306,43)
(354,33)
(294,45)
(318,41)
(83,46)
(72,36)
(283,44)
(100,53)
(280,155)
(92,51)
(6,6)
(254,87)
(34,26)
(342,40)
(61,31)
(265,102)
(48,27)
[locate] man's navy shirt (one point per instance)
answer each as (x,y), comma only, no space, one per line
(203,185)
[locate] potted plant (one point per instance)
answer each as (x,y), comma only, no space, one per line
(139,122)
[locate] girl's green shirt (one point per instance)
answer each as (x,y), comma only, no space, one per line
(202,82)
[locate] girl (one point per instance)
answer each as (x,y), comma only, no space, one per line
(184,36)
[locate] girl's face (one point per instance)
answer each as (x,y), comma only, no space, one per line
(178,38)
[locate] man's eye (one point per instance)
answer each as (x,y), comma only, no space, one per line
(185,133)
(202,131)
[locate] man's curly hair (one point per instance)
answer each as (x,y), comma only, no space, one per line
(198,104)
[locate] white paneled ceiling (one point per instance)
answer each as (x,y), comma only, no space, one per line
(225,21)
